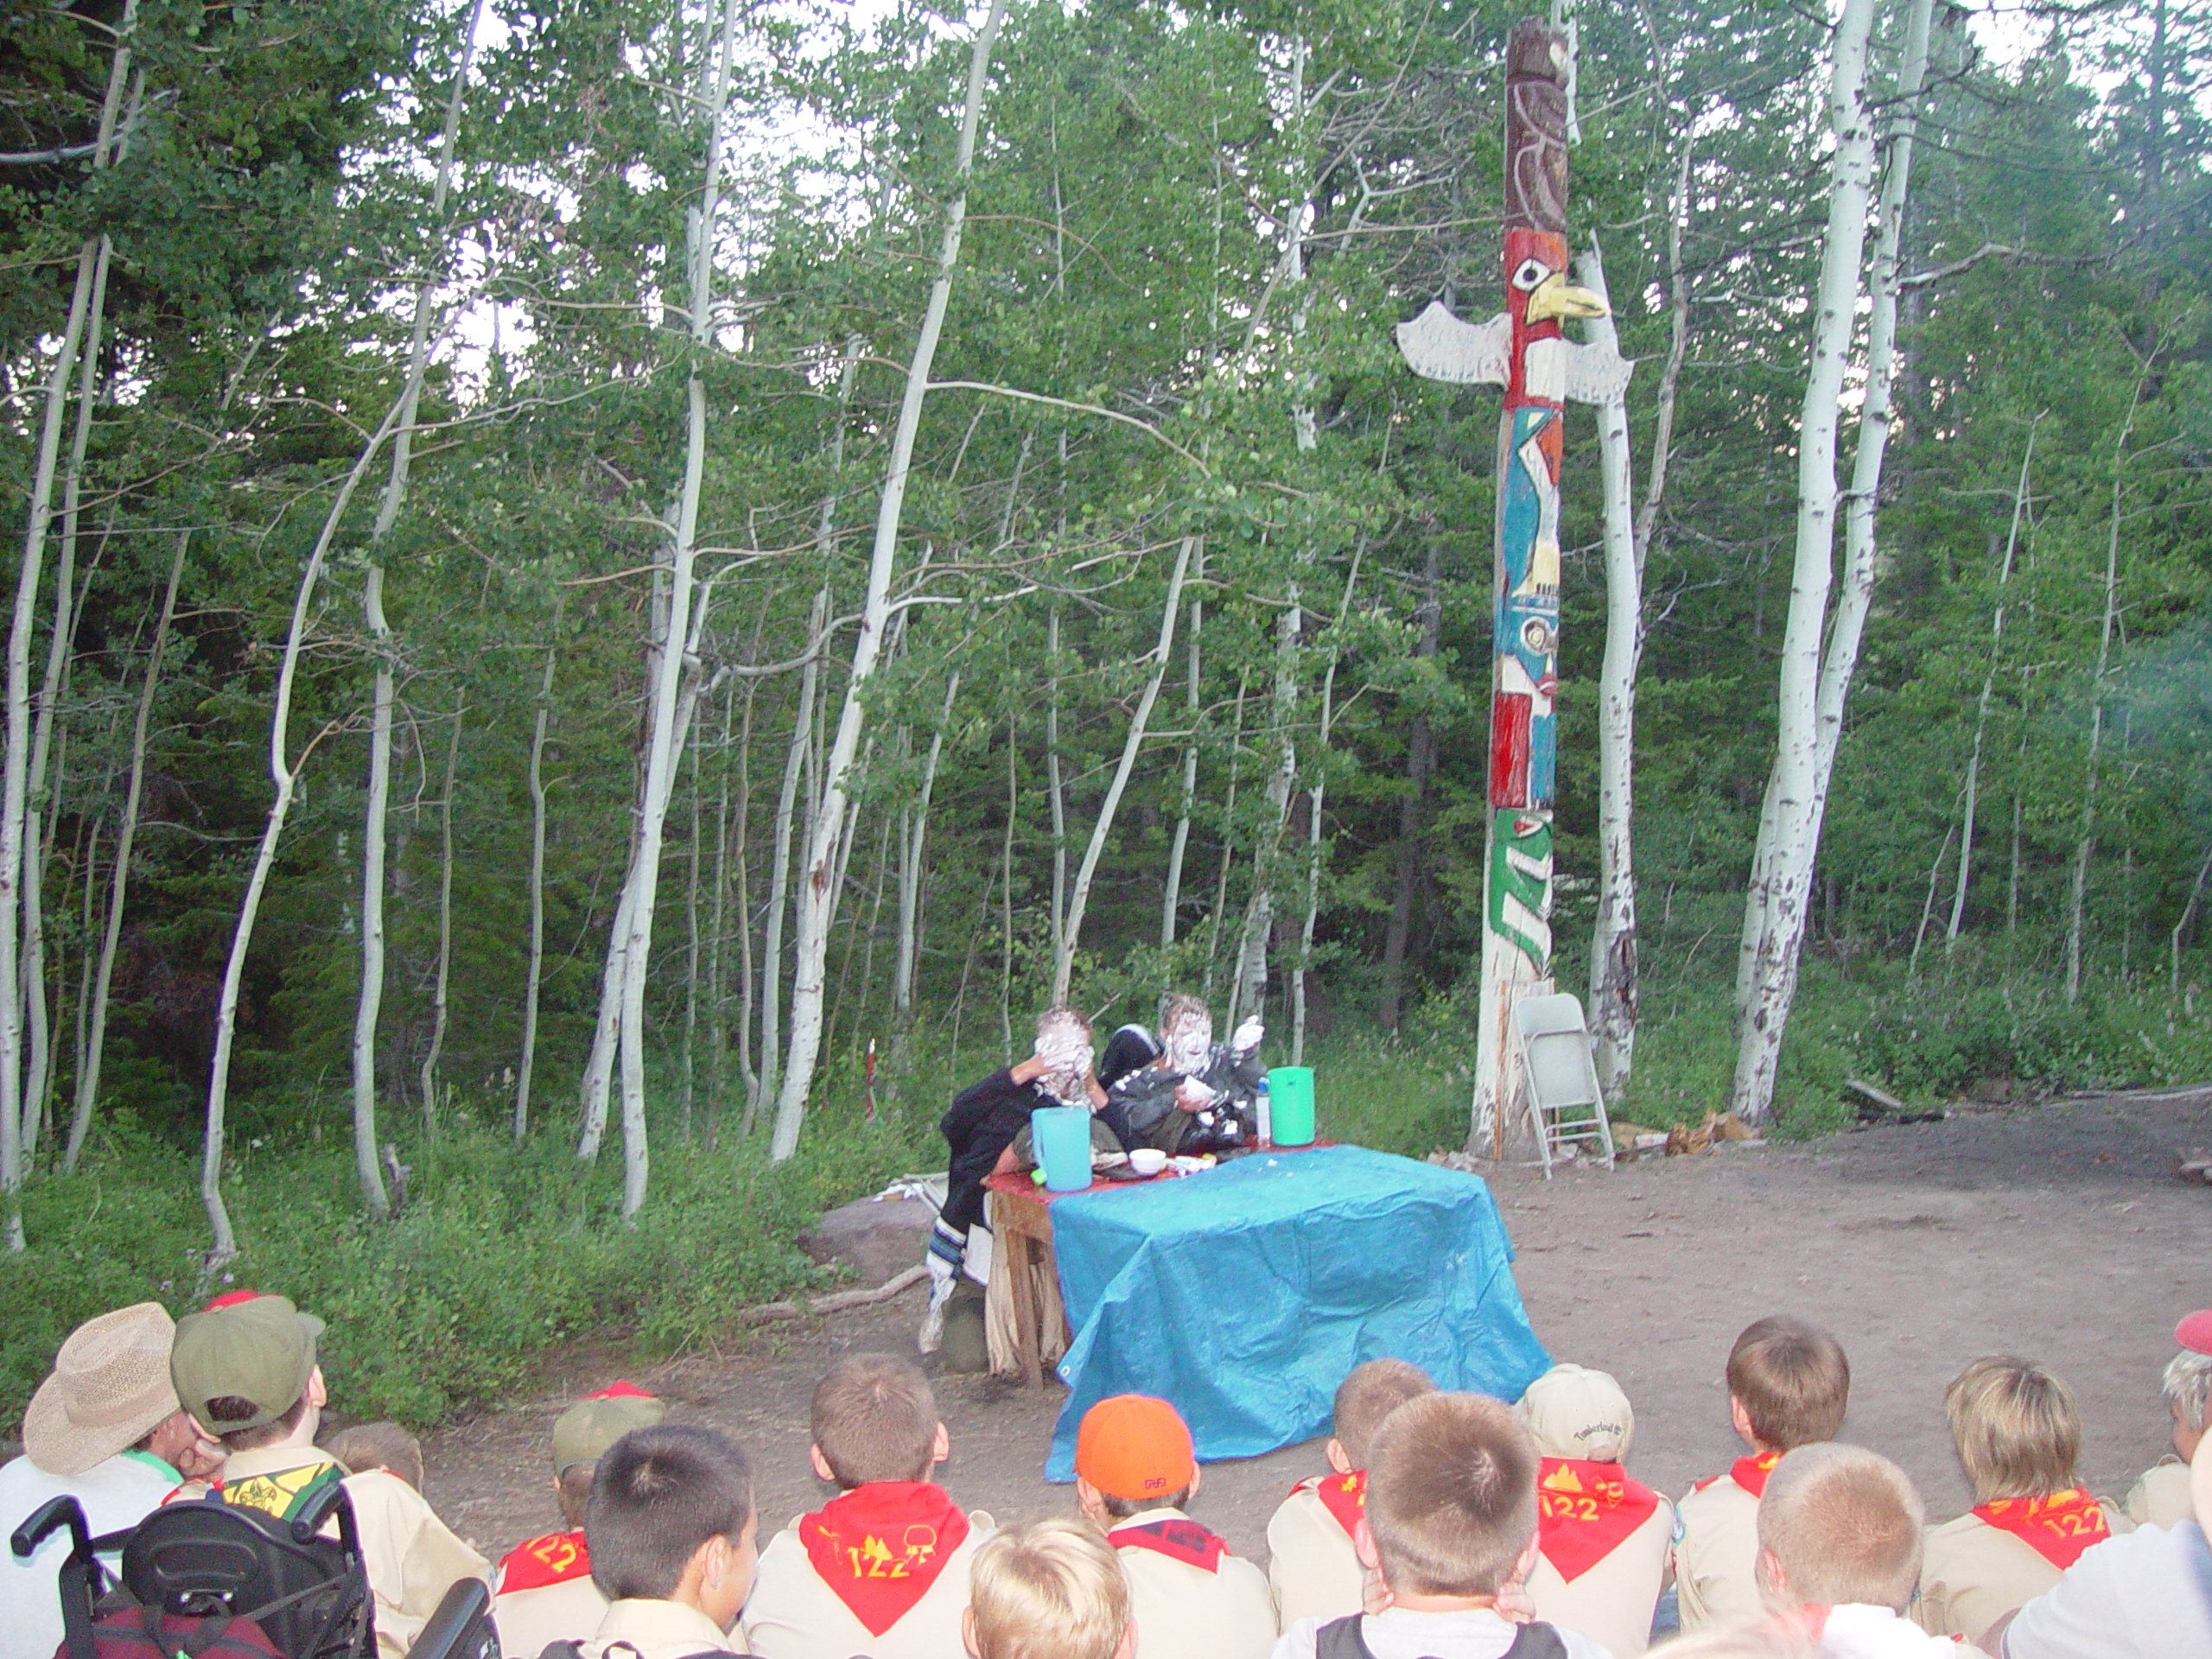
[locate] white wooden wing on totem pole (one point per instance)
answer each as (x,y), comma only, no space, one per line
(1522,350)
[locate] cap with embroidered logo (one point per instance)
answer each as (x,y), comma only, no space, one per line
(1135,1447)
(1573,1411)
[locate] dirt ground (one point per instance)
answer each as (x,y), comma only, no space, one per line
(2056,1232)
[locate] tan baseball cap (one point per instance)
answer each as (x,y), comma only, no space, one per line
(110,1389)
(261,1349)
(1575,1411)
(585,1430)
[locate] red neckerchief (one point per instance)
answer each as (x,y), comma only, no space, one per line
(1344,1495)
(1179,1539)
(1585,1510)
(881,1546)
(1750,1473)
(2059,1526)
(554,1559)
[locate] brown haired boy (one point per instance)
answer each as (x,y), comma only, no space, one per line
(543,1589)
(379,1446)
(1602,1536)
(1788,1384)
(1134,1470)
(1450,1532)
(1311,1566)
(1839,1554)
(882,1568)
(246,1371)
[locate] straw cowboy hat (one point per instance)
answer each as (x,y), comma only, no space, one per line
(109,1390)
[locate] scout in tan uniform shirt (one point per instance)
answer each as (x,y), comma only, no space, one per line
(544,1592)
(2161,1498)
(1602,1537)
(1787,1386)
(2018,1435)
(1048,1587)
(1134,1470)
(246,1370)
(882,1568)
(1311,1565)
(671,1532)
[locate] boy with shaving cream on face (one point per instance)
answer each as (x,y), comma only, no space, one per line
(1197,1096)
(2018,1434)
(881,1569)
(1311,1565)
(1789,1385)
(1134,1470)
(979,1131)
(1601,1536)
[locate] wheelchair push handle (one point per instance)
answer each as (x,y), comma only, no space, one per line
(48,1519)
(315,1513)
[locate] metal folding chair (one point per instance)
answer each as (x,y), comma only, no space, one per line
(1565,1103)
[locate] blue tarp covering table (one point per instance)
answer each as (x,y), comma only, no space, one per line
(1245,1294)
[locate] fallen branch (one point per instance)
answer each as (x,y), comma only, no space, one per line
(836,1302)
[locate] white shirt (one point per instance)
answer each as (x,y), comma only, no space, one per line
(116,1493)
(1477,1633)
(1856,1629)
(2145,1594)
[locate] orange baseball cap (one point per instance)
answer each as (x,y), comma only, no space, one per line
(1135,1447)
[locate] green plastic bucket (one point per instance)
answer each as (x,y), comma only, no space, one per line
(1063,1138)
(1290,1094)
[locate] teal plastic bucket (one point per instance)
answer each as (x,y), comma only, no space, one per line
(1290,1094)
(1063,1137)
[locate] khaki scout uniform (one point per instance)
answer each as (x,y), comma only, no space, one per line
(1185,1612)
(1311,1566)
(793,1613)
(2161,1498)
(1973,1573)
(655,1629)
(1716,1556)
(412,1558)
(558,1601)
(1611,1601)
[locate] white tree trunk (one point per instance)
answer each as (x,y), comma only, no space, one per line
(1612,942)
(88,1076)
(1814,685)
(1981,706)
(284,772)
(366,1007)
(1172,892)
(1247,996)
(779,863)
(1079,898)
(2078,887)
(1315,796)
(534,968)
(910,868)
(439,984)
(1055,794)
(817,893)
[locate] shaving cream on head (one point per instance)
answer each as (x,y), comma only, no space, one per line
(1065,1047)
(1190,1045)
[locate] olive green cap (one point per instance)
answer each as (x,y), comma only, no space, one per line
(586,1429)
(260,1349)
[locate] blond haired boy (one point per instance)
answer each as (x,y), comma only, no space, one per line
(2161,1498)
(1311,1566)
(1134,1471)
(1449,1536)
(2018,1434)
(1789,1385)
(1839,1553)
(882,1568)
(544,1591)
(1602,1536)
(1048,1590)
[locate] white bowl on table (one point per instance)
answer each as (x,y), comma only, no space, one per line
(1147,1161)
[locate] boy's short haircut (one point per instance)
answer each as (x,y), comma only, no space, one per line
(1451,1494)
(1178,1008)
(1844,1524)
(1048,1590)
(2188,1386)
(379,1446)
(1368,1395)
(657,1496)
(2016,1427)
(874,1419)
(1060,1014)
(1792,1379)
(572,1491)
(230,1408)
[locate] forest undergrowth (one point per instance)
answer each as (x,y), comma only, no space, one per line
(500,1254)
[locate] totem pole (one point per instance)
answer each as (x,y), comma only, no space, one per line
(1522,350)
